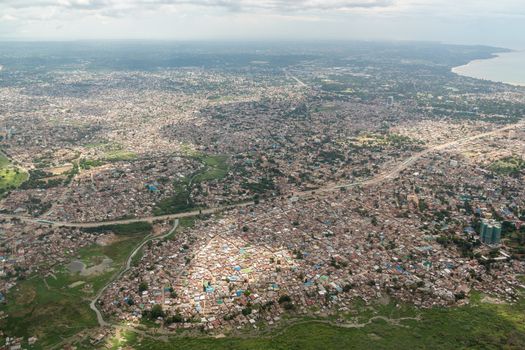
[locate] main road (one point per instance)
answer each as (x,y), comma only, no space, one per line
(389,175)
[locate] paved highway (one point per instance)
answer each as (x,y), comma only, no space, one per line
(392,174)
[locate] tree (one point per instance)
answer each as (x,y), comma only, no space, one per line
(177,318)
(288,306)
(156,312)
(284,299)
(143,286)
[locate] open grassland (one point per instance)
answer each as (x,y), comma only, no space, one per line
(11,176)
(508,166)
(56,306)
(480,325)
(120,155)
(216,168)
(110,152)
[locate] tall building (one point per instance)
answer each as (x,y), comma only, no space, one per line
(490,232)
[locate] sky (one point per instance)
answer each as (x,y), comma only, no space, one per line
(487,22)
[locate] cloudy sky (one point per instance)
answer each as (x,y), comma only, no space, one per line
(494,22)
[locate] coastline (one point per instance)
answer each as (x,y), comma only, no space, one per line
(460,70)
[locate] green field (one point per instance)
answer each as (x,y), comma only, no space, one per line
(53,307)
(112,152)
(120,155)
(123,229)
(90,163)
(478,326)
(216,168)
(11,176)
(508,165)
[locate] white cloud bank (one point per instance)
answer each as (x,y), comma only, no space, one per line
(476,21)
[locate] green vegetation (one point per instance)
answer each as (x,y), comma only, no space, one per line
(514,239)
(42,179)
(113,152)
(478,326)
(120,155)
(508,166)
(215,168)
(135,260)
(183,222)
(381,140)
(47,308)
(181,201)
(188,222)
(11,176)
(264,185)
(56,306)
(154,313)
(90,163)
(123,229)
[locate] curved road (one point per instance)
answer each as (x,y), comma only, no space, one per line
(393,173)
(93,304)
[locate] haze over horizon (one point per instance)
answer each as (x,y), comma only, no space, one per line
(471,22)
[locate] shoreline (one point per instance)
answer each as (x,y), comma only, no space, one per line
(458,69)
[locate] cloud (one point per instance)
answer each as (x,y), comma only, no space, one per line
(280,5)
(404,19)
(426,7)
(8,18)
(79,4)
(231,5)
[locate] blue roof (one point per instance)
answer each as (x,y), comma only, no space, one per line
(469,229)
(152,188)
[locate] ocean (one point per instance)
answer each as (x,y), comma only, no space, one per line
(507,68)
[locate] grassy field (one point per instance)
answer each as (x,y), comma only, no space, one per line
(216,168)
(57,306)
(112,152)
(120,155)
(10,176)
(478,326)
(508,165)
(123,229)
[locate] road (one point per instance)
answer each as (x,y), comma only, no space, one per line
(300,82)
(124,221)
(93,304)
(390,175)
(393,173)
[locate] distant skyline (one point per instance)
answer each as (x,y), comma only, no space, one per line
(498,23)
